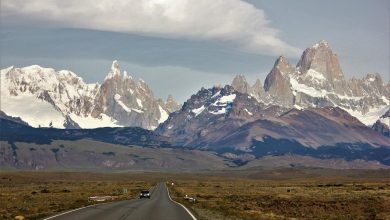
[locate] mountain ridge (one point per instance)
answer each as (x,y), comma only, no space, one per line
(318,81)
(69,102)
(309,109)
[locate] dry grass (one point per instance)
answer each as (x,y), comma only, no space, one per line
(258,194)
(287,199)
(37,195)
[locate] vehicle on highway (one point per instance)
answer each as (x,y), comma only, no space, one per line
(144,194)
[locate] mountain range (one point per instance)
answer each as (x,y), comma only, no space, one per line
(43,97)
(310,110)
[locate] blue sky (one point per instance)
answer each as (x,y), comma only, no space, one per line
(178,48)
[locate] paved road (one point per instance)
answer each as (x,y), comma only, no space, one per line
(159,206)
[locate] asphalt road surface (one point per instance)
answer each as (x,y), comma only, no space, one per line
(159,206)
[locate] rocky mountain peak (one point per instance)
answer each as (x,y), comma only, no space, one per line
(280,60)
(318,81)
(373,84)
(283,66)
(240,78)
(64,99)
(321,59)
(277,81)
(382,125)
(171,105)
(373,78)
(115,70)
(257,83)
(321,43)
(240,84)
(126,76)
(170,98)
(115,66)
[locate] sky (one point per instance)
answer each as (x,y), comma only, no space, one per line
(177,47)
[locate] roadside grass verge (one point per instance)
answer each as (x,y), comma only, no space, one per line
(45,194)
(243,194)
(259,199)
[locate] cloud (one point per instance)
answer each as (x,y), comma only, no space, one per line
(233,21)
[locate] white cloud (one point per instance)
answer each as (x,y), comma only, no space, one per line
(227,20)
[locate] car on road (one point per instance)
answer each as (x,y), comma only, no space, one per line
(144,194)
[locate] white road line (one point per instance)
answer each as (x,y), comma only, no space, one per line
(73,210)
(193,217)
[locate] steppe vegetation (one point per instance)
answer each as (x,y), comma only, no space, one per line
(293,193)
(295,198)
(36,195)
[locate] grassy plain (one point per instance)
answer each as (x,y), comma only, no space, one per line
(241,194)
(281,194)
(35,195)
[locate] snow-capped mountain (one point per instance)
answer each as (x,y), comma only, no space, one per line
(318,81)
(310,109)
(212,113)
(382,125)
(235,124)
(43,97)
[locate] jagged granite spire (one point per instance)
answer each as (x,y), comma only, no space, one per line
(115,70)
(68,102)
(277,81)
(240,84)
(320,58)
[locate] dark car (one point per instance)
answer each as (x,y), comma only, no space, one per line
(144,194)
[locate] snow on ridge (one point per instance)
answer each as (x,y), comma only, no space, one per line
(163,115)
(199,110)
(61,92)
(35,112)
(115,71)
(385,100)
(152,127)
(139,102)
(68,73)
(6,70)
(385,121)
(216,94)
(112,74)
(298,87)
(313,92)
(219,112)
(91,122)
(36,68)
(322,42)
(137,110)
(371,116)
(117,99)
(249,113)
(224,100)
(227,98)
(315,75)
(92,86)
(298,107)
